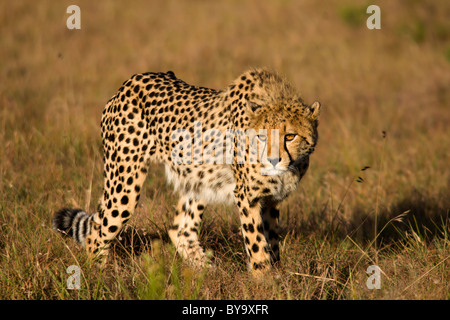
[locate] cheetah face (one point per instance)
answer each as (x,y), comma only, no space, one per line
(284,143)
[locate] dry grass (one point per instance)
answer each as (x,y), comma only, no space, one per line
(54,83)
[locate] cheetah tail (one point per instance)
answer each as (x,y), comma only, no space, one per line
(73,223)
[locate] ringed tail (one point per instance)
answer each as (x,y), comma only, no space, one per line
(73,223)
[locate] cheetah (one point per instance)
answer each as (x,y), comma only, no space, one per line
(247,145)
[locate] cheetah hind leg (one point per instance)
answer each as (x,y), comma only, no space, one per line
(184,231)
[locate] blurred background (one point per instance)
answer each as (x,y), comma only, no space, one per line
(384,94)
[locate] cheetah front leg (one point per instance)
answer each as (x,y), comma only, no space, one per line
(270,215)
(184,231)
(256,242)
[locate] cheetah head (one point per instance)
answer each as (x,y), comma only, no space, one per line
(285,127)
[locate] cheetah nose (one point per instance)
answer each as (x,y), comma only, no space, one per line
(274,161)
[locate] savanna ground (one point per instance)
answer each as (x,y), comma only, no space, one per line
(385,96)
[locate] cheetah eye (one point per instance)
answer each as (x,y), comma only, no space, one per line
(290,137)
(262,137)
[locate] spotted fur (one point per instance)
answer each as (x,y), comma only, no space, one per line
(138,124)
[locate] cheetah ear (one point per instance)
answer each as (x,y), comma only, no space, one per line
(313,110)
(254,107)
